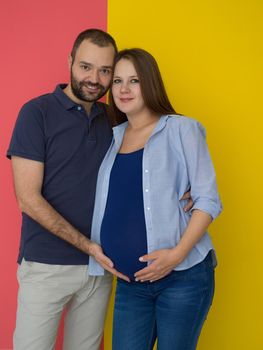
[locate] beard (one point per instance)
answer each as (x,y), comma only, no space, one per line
(78,89)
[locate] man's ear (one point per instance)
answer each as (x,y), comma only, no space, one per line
(70,61)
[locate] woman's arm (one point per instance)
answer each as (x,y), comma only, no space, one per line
(165,260)
(206,204)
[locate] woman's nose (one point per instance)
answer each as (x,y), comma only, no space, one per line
(124,87)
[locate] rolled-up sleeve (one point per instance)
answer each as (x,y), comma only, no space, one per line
(200,170)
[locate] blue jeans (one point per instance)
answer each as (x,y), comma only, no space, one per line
(172,310)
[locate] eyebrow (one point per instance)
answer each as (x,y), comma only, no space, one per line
(84,62)
(89,64)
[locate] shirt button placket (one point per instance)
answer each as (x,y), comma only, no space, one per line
(147,191)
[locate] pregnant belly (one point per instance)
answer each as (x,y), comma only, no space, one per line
(124,249)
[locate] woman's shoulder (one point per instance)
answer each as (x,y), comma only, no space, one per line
(120,127)
(182,123)
(181,120)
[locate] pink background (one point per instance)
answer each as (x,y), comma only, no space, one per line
(36,38)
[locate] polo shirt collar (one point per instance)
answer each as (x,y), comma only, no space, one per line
(68,104)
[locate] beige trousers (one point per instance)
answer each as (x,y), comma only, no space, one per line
(45,291)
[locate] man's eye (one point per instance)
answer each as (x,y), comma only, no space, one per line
(84,67)
(116,81)
(105,71)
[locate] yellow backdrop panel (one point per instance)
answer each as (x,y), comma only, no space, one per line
(210,56)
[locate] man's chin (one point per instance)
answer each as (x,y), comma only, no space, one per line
(93,97)
(89,98)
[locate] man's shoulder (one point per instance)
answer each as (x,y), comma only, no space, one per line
(40,101)
(40,106)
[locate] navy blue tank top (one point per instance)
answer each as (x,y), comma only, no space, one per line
(123,230)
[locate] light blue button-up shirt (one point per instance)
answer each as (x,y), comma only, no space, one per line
(175,159)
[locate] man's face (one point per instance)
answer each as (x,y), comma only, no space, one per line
(91,71)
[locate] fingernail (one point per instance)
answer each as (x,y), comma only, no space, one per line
(136,279)
(141,259)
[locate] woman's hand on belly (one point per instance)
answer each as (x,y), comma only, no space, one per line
(163,261)
(96,251)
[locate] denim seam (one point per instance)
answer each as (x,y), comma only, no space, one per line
(205,294)
(194,323)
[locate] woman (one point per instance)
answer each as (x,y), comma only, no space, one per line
(154,158)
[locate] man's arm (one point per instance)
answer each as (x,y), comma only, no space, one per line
(28,180)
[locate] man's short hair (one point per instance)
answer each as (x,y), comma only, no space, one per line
(97,37)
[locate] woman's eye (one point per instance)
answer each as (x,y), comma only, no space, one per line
(134,81)
(116,81)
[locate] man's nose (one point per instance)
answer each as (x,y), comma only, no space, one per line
(93,76)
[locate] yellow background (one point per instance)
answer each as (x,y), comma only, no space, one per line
(210,56)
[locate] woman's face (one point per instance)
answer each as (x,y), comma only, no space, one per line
(126,88)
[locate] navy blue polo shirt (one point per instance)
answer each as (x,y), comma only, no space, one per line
(56,131)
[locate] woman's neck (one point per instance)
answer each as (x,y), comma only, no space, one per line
(142,120)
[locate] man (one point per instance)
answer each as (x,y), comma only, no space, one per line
(58,143)
(57,146)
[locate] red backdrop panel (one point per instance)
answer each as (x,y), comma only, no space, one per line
(36,38)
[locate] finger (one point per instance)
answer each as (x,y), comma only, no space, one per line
(148,257)
(123,277)
(187,195)
(153,275)
(146,277)
(188,205)
(103,259)
(106,267)
(115,272)
(143,271)
(147,274)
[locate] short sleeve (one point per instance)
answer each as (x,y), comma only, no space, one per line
(28,138)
